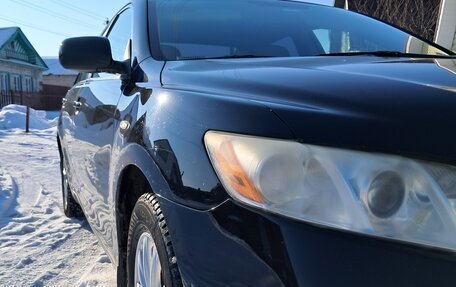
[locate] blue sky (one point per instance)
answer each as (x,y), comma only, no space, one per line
(55,20)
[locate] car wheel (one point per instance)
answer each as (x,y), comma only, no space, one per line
(70,207)
(151,260)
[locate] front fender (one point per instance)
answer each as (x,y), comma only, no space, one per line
(136,155)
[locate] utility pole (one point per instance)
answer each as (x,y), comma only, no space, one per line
(27,119)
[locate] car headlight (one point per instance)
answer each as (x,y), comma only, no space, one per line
(375,194)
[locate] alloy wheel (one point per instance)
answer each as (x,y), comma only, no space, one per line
(147,263)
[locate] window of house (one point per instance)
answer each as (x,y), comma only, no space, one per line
(17,83)
(28,84)
(4,83)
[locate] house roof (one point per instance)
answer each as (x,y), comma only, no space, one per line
(15,34)
(55,68)
(5,34)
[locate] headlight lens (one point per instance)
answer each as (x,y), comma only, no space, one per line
(381,195)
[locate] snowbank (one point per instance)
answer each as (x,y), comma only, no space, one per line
(13,117)
(8,194)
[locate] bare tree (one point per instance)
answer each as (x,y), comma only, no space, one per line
(417,16)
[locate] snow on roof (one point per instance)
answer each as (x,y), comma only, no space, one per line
(6,33)
(55,68)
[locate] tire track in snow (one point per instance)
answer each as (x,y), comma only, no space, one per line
(38,245)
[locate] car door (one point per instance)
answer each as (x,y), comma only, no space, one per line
(67,131)
(94,120)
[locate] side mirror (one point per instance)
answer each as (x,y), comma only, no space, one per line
(89,54)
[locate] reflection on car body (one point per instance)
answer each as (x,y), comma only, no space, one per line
(262,143)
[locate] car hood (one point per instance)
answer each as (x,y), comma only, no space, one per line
(393,105)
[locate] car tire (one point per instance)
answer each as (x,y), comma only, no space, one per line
(148,228)
(71,208)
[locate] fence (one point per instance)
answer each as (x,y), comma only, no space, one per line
(417,16)
(20,98)
(50,98)
(6,98)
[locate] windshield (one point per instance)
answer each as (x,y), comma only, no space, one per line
(204,29)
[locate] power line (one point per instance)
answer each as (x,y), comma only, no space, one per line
(79,10)
(15,21)
(87,11)
(54,14)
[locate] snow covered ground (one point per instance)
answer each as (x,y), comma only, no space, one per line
(39,246)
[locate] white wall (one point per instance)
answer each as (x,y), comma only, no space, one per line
(446,30)
(454,43)
(59,80)
(34,73)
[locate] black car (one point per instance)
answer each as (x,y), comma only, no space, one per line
(262,143)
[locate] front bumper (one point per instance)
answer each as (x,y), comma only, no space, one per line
(232,245)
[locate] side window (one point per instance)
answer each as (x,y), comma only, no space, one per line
(119,37)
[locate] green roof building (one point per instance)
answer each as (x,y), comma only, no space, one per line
(21,67)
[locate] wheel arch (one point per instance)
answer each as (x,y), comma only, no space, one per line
(135,174)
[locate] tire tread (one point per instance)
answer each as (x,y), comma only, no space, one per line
(152,203)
